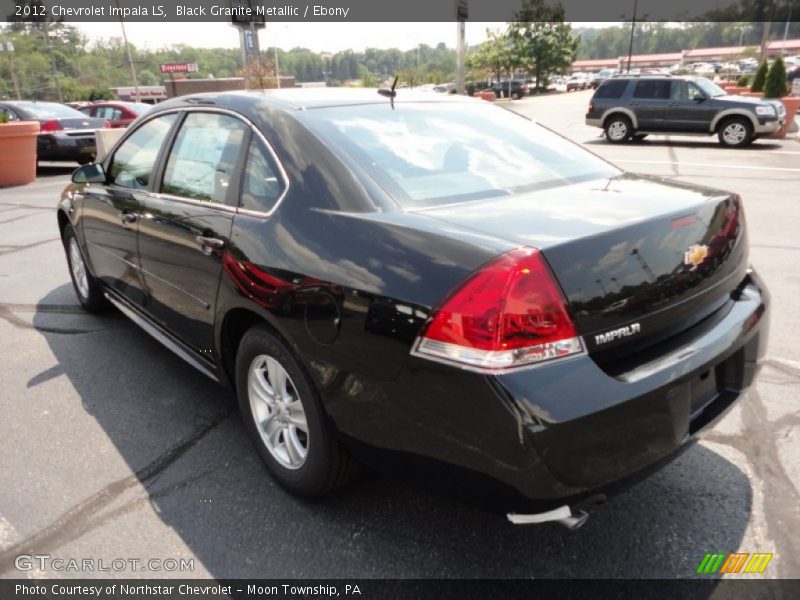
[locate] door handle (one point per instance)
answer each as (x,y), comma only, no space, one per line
(128,218)
(209,244)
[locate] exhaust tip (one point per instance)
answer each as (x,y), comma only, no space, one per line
(563,514)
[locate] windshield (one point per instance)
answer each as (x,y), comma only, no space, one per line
(709,87)
(429,154)
(50,110)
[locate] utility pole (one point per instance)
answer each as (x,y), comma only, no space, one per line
(136,96)
(9,48)
(462,10)
(46,32)
(633,27)
(277,71)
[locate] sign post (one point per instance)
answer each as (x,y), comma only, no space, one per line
(462,13)
(172,68)
(248,23)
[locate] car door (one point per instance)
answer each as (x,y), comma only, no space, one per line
(111,212)
(184,228)
(686,113)
(649,103)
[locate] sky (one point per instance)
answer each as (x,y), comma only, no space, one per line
(319,37)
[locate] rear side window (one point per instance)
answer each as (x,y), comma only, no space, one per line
(652,88)
(134,161)
(263,184)
(203,158)
(611,88)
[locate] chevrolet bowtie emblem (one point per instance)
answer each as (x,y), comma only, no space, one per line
(695,256)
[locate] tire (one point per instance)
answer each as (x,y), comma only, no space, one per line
(618,129)
(735,132)
(87,287)
(308,461)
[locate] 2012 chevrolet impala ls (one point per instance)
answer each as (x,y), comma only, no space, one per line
(433,284)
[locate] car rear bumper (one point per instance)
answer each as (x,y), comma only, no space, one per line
(560,433)
(594,121)
(62,146)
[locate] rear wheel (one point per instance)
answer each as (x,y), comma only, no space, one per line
(618,129)
(735,132)
(87,288)
(285,419)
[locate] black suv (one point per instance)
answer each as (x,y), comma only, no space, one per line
(630,108)
(504,89)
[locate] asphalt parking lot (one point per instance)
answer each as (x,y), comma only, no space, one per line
(112,447)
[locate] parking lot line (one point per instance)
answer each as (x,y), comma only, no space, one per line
(702,165)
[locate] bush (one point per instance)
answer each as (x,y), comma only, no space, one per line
(760,78)
(775,85)
(743,81)
(3,118)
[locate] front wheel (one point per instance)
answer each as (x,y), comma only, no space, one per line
(736,132)
(87,288)
(618,129)
(285,419)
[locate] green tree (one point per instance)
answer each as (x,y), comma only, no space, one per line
(775,85)
(494,56)
(542,43)
(760,78)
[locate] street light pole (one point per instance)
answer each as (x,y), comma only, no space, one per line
(633,27)
(277,72)
(9,48)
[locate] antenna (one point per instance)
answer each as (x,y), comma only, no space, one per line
(390,93)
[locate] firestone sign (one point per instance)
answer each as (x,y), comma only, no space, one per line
(179,68)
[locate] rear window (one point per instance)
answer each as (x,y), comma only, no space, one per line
(429,154)
(50,110)
(611,88)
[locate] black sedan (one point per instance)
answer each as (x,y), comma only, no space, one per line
(380,281)
(65,133)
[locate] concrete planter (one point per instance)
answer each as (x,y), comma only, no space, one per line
(106,138)
(752,94)
(18,152)
(737,89)
(488,96)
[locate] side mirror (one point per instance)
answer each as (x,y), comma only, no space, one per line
(89,174)
(698,97)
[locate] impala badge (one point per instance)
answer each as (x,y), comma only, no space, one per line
(615,334)
(695,256)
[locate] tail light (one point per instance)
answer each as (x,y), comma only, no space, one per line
(106,124)
(591,106)
(50,127)
(509,313)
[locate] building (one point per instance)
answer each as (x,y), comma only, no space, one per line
(697,55)
(150,94)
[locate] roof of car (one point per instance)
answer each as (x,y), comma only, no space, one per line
(310,98)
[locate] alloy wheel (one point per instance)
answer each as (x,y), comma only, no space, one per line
(78,268)
(734,133)
(618,130)
(278,412)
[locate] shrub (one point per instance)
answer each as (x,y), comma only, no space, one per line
(775,85)
(760,78)
(3,118)
(743,81)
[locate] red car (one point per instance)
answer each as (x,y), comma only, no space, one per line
(118,114)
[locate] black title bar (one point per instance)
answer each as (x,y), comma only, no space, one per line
(390,10)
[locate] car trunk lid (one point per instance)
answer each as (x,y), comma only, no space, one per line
(639,259)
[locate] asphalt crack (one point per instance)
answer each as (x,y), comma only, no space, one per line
(88,515)
(12,249)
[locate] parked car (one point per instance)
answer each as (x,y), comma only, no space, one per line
(423,298)
(577,81)
(118,114)
(630,108)
(65,134)
(504,89)
(601,76)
